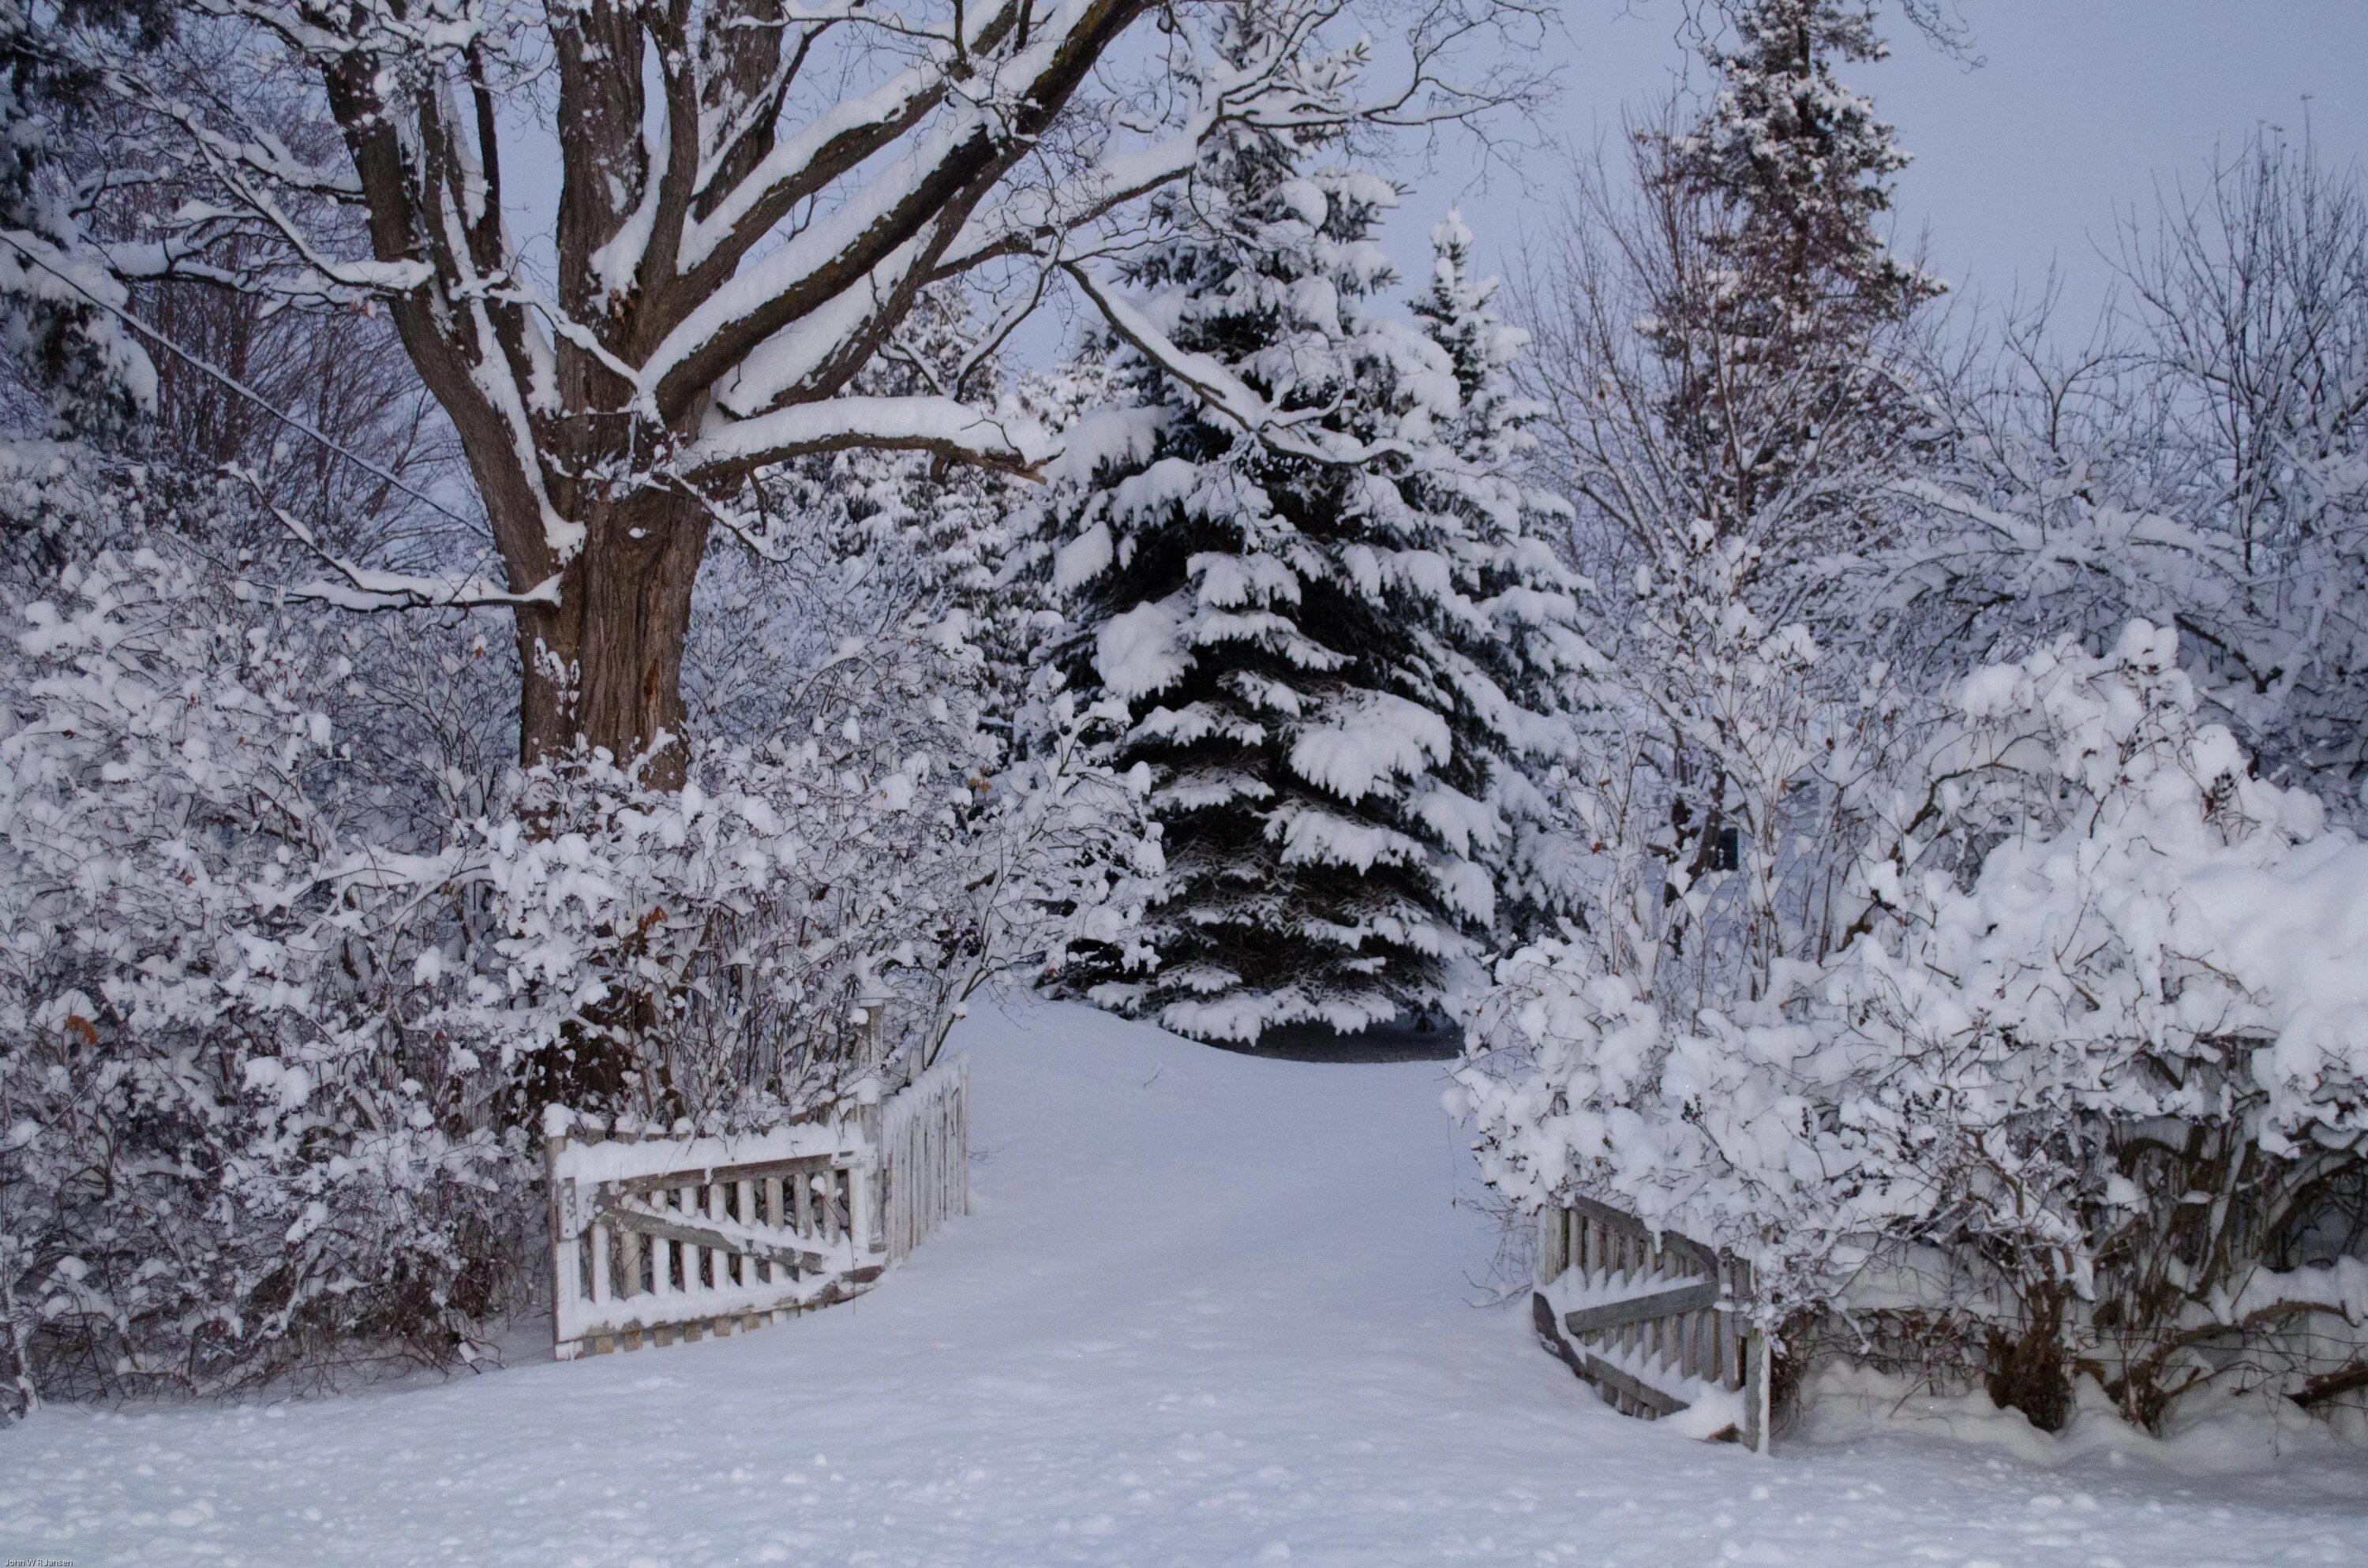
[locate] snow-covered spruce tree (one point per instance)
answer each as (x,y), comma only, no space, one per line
(1774,312)
(55,288)
(952,540)
(1799,171)
(944,522)
(1539,661)
(1302,605)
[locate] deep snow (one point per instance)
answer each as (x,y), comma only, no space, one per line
(1210,1309)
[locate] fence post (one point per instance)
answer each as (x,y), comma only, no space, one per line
(563,1274)
(868,1186)
(1553,1243)
(1757,1364)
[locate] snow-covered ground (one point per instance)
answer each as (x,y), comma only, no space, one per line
(1208,1310)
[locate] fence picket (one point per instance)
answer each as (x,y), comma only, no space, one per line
(1642,1302)
(659,1240)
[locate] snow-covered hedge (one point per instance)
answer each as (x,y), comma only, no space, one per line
(231,1131)
(2086,1079)
(268,1067)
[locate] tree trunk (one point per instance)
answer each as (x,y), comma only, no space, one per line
(2032,1372)
(603,669)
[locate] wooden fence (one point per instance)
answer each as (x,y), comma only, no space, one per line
(655,1239)
(1656,1322)
(925,1156)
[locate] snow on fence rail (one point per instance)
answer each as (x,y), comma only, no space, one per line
(1655,1321)
(660,1238)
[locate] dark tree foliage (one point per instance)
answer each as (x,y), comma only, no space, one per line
(1320,643)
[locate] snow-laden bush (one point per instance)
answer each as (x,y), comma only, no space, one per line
(2083,1089)
(229,1138)
(268,1068)
(750,945)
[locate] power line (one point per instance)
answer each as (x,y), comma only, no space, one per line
(234,384)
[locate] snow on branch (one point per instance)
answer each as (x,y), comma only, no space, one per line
(247,1005)
(2099,960)
(939,426)
(368,589)
(1295,434)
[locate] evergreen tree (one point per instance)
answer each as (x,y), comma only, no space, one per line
(934,532)
(1459,316)
(1513,530)
(1323,641)
(1800,169)
(1780,282)
(1468,465)
(57,295)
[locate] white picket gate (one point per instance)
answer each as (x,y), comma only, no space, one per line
(1657,1323)
(925,1156)
(659,1238)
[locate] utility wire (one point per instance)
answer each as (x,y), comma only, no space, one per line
(234,384)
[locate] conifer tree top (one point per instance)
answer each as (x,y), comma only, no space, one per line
(1802,169)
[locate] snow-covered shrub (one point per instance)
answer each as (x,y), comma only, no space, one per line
(2198,456)
(271,1059)
(728,949)
(1723,354)
(232,1137)
(1710,800)
(2083,1088)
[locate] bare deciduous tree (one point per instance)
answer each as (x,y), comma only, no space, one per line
(2195,459)
(1719,331)
(751,194)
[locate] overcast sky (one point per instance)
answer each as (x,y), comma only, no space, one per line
(2062,113)
(2058,115)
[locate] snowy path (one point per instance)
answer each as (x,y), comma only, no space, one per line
(1211,1310)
